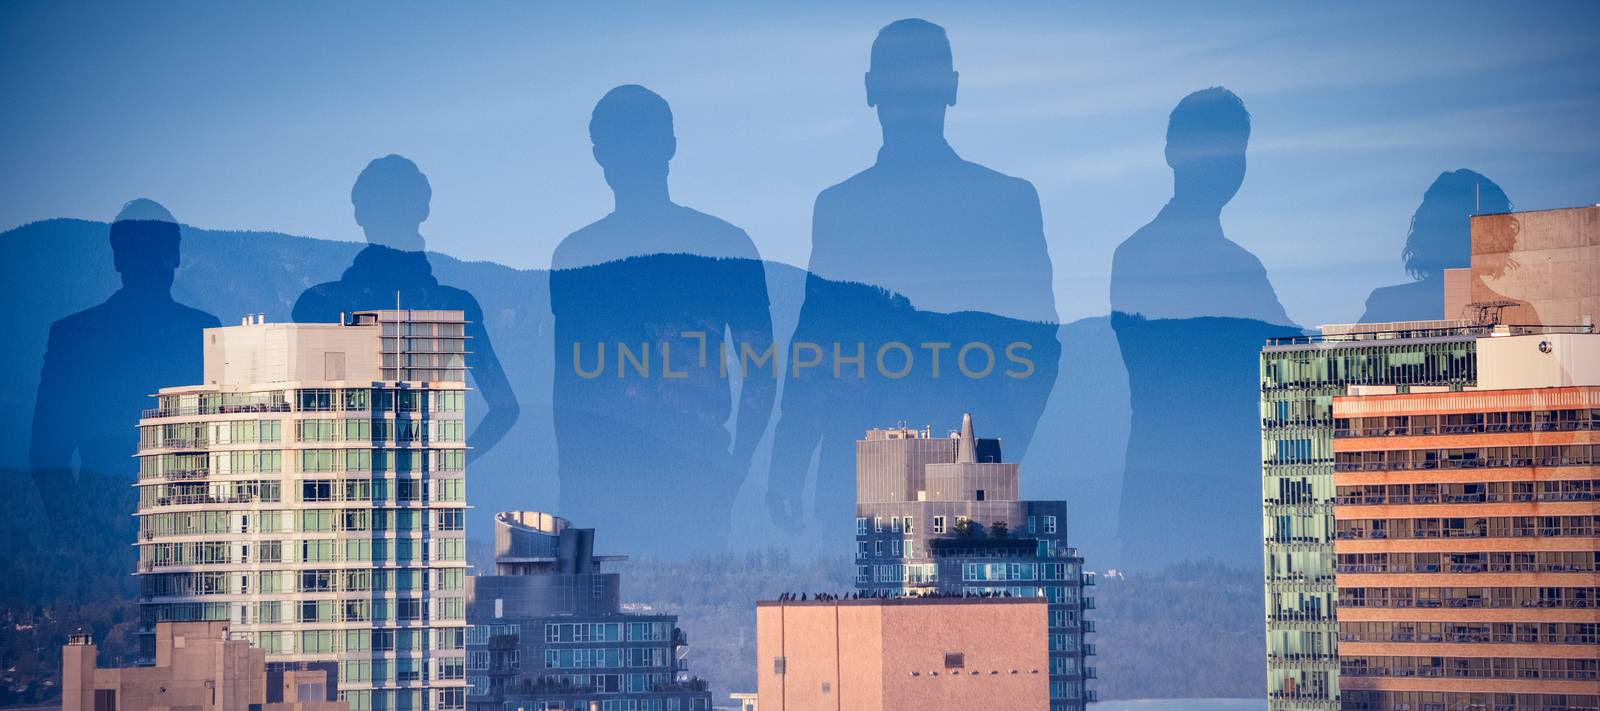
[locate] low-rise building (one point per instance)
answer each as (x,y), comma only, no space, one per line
(903,654)
(548,631)
(198,667)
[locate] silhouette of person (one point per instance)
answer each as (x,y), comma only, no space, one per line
(391,198)
(956,253)
(1181,265)
(1191,310)
(102,364)
(1440,238)
(641,448)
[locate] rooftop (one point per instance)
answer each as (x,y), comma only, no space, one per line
(904,600)
(1366,334)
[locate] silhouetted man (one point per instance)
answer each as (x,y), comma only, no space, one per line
(960,250)
(1191,310)
(391,199)
(1440,238)
(644,445)
(946,233)
(1181,265)
(103,363)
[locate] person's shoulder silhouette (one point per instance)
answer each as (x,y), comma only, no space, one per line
(87,395)
(899,223)
(631,450)
(391,200)
(1440,238)
(633,142)
(1181,264)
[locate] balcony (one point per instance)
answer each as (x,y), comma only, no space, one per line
(193,410)
(177,443)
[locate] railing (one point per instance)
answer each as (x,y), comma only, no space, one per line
(1483,428)
(1423,332)
(1463,464)
(190,410)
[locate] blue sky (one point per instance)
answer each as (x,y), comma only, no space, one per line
(259,117)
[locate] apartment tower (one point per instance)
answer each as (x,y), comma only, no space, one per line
(942,515)
(1467,530)
(310,492)
(1556,292)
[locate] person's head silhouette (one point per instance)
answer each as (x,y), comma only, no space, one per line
(144,246)
(391,202)
(912,79)
(631,129)
(1206,138)
(1441,229)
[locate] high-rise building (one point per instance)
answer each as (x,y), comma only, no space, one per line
(548,631)
(902,654)
(310,492)
(1301,376)
(943,515)
(1467,530)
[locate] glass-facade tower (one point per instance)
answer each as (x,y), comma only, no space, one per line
(311,492)
(1300,376)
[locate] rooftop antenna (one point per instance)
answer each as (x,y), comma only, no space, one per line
(1477,197)
(1489,313)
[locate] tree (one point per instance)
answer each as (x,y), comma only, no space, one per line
(967,528)
(999,529)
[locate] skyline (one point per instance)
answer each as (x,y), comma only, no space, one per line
(1354,113)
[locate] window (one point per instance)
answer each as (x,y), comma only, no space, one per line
(861,526)
(938,524)
(779,664)
(908,525)
(1049,524)
(894,524)
(877,524)
(955,660)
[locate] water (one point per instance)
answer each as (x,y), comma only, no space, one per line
(1181,705)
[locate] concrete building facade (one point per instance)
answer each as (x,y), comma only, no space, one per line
(943,516)
(311,493)
(1467,535)
(198,667)
(903,654)
(548,631)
